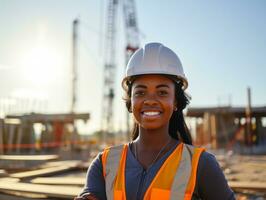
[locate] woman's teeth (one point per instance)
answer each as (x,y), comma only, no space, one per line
(151,113)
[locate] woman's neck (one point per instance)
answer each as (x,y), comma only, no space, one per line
(153,139)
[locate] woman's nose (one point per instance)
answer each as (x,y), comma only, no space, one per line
(150,100)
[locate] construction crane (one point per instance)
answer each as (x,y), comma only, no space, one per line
(132,40)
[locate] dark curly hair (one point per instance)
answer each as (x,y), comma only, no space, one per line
(177,126)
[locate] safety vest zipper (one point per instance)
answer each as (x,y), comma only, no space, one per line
(140,188)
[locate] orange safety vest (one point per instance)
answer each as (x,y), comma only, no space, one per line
(175,180)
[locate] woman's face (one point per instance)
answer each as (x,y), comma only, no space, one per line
(153,101)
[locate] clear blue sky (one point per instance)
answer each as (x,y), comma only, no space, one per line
(222,45)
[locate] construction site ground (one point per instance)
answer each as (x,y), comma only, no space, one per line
(57,179)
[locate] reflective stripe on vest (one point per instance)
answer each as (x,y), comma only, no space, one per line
(113,160)
(175,179)
(182,176)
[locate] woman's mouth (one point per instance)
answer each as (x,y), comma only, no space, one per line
(151,113)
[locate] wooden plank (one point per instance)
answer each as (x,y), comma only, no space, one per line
(17,197)
(49,190)
(60,180)
(45,171)
(258,177)
(60,163)
(8,179)
(29,157)
(3,173)
(247,185)
(68,117)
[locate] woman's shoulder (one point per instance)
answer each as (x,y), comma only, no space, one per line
(210,178)
(107,149)
(98,160)
(114,147)
(209,159)
(204,154)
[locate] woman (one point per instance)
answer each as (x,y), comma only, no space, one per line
(160,162)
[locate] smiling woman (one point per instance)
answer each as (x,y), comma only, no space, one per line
(160,162)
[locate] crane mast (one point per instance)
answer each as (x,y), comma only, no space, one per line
(131,27)
(109,68)
(132,41)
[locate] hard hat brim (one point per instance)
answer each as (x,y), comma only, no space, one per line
(128,79)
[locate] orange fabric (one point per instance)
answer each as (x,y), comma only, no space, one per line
(193,176)
(118,195)
(104,158)
(119,184)
(188,197)
(159,194)
(165,176)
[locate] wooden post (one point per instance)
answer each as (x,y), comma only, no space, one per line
(213,119)
(11,135)
(248,136)
(19,136)
(1,136)
(207,127)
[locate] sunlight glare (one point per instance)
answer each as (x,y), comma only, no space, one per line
(42,65)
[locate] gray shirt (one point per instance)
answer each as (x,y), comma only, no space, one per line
(210,184)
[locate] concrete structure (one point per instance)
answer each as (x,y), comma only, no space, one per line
(225,127)
(35,132)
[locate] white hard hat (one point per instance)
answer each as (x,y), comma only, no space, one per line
(155,58)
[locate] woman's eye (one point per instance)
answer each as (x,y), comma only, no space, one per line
(139,93)
(163,93)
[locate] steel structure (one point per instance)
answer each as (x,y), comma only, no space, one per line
(132,40)
(109,68)
(74,66)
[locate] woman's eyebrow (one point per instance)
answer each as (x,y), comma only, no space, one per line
(140,86)
(162,85)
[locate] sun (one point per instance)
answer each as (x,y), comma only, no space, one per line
(42,64)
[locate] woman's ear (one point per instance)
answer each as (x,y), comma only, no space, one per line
(175,106)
